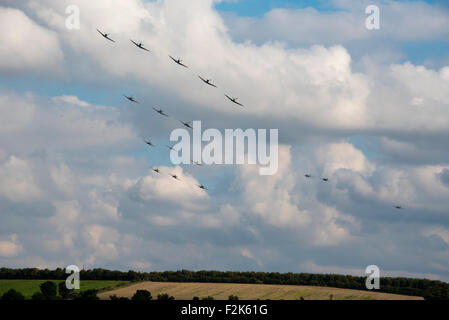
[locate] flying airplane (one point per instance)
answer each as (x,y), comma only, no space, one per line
(156,170)
(130,98)
(105,35)
(174,176)
(178,61)
(308,175)
(149,143)
(399,207)
(186,124)
(234,100)
(207,81)
(140,45)
(160,112)
(172,149)
(197,163)
(202,187)
(325,179)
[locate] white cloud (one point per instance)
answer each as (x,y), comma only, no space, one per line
(399,21)
(343,155)
(17,181)
(10,248)
(81,161)
(27,46)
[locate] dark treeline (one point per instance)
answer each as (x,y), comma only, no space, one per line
(429,289)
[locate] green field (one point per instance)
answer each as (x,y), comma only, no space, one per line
(29,287)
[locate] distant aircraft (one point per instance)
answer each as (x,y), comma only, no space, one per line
(325,179)
(399,207)
(234,100)
(140,45)
(174,176)
(149,143)
(172,149)
(178,61)
(156,170)
(308,175)
(160,112)
(130,98)
(207,81)
(197,163)
(105,35)
(186,124)
(202,187)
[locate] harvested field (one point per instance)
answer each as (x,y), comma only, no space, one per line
(221,291)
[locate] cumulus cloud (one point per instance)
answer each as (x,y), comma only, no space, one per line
(400,21)
(27,46)
(81,174)
(11,247)
(18,181)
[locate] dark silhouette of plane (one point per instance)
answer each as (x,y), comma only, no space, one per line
(171,148)
(186,124)
(160,112)
(156,170)
(174,176)
(399,207)
(207,81)
(178,61)
(140,45)
(197,163)
(202,187)
(149,143)
(325,179)
(308,175)
(130,98)
(105,35)
(234,100)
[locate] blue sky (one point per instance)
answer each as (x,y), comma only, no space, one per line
(257,8)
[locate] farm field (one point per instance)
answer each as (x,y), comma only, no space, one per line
(221,291)
(29,287)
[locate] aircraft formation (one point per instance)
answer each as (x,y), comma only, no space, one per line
(206,81)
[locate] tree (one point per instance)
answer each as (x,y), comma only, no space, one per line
(232,297)
(142,295)
(90,294)
(208,298)
(64,292)
(115,298)
(38,296)
(196,298)
(49,290)
(12,295)
(165,296)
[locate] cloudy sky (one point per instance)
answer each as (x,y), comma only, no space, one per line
(369,109)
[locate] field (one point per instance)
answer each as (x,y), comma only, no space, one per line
(29,287)
(221,291)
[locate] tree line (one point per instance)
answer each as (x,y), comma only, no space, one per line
(429,289)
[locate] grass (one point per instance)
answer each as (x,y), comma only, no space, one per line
(221,291)
(29,287)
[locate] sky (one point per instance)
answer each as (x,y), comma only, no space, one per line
(368,109)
